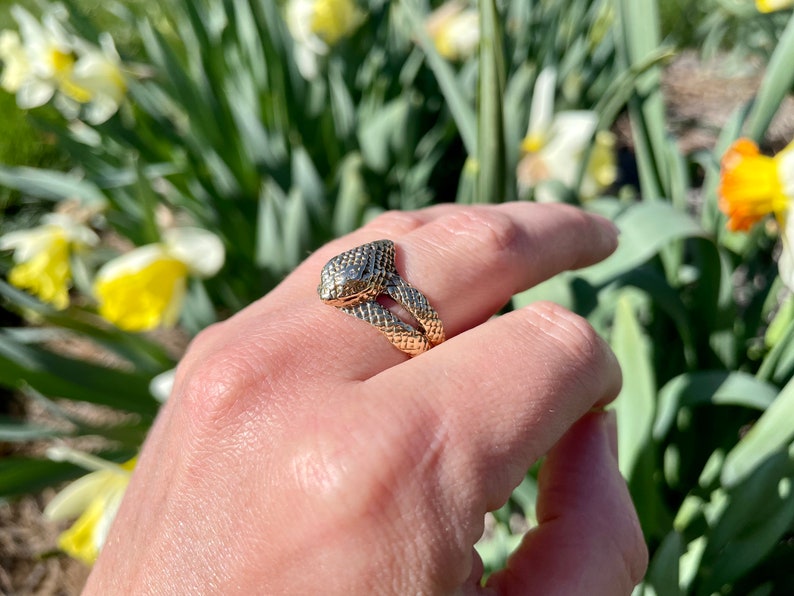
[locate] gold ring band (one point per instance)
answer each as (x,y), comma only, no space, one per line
(352,282)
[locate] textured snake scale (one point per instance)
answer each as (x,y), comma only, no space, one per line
(353,280)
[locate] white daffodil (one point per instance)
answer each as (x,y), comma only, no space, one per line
(144,288)
(93,499)
(38,59)
(16,67)
(45,60)
(96,83)
(555,145)
(316,26)
(454,29)
(42,256)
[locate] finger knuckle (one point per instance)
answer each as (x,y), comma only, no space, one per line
(494,233)
(581,346)
(344,483)
(396,222)
(217,376)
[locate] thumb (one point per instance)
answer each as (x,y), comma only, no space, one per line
(588,539)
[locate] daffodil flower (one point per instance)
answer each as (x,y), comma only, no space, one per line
(37,60)
(44,60)
(454,29)
(316,26)
(555,145)
(93,499)
(773,5)
(144,288)
(96,82)
(42,257)
(754,186)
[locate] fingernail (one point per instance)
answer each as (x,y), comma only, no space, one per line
(611,428)
(608,226)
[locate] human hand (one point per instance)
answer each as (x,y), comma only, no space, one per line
(301,453)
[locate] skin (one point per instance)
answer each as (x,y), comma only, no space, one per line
(301,453)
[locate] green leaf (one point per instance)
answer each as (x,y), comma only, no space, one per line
(495,549)
(56,375)
(490,121)
(772,432)
(458,105)
(353,199)
(759,511)
(526,496)
(715,387)
(269,232)
(645,228)
(146,355)
(342,107)
(775,85)
(24,475)
(556,289)
(49,184)
(662,572)
(376,133)
(635,404)
(639,21)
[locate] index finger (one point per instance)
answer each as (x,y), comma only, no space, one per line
(467,261)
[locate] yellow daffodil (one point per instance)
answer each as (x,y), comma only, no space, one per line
(555,145)
(42,256)
(454,29)
(754,186)
(93,499)
(144,288)
(316,26)
(773,5)
(44,60)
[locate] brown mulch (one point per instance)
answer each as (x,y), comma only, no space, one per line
(26,541)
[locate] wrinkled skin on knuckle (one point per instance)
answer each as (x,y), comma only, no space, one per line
(227,376)
(395,222)
(493,233)
(207,394)
(587,361)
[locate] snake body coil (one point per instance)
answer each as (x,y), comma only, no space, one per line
(353,280)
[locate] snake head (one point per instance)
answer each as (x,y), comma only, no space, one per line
(345,286)
(358,274)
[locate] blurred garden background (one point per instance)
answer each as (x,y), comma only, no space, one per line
(163,164)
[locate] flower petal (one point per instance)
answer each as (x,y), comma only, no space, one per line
(75,498)
(201,250)
(750,186)
(143,289)
(571,133)
(541,112)
(773,5)
(161,385)
(785,263)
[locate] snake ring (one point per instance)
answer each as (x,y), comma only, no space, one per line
(353,280)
